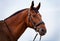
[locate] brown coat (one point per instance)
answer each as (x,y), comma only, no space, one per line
(5,35)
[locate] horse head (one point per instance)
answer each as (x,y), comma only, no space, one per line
(35,19)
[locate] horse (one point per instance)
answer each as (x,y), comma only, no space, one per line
(14,26)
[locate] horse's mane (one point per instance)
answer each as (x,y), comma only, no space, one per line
(21,11)
(15,13)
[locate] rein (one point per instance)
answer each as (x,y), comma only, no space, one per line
(36,36)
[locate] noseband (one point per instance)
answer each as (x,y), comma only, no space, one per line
(40,23)
(35,25)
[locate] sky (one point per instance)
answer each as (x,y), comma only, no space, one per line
(50,11)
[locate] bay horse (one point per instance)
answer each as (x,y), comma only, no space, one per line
(14,26)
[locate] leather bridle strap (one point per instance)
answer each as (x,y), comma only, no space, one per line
(30,19)
(35,25)
(36,36)
(40,23)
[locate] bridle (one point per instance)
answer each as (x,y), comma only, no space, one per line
(35,25)
(30,19)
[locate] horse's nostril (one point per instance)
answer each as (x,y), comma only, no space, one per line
(42,30)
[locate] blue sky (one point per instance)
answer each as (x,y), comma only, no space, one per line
(50,11)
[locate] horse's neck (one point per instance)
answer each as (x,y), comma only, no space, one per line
(17,24)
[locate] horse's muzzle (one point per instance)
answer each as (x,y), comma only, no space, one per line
(42,31)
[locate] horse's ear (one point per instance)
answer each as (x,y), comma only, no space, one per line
(38,6)
(32,4)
